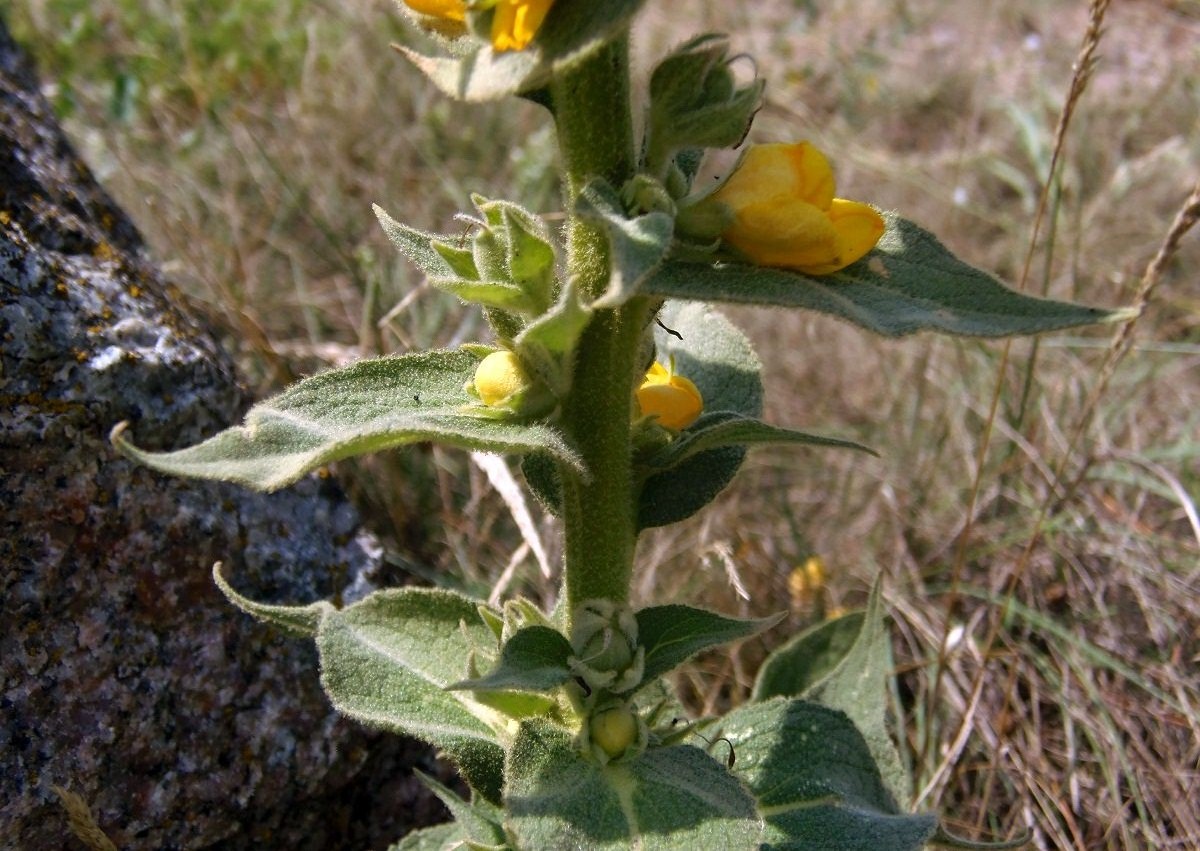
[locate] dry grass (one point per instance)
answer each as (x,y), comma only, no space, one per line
(1047,646)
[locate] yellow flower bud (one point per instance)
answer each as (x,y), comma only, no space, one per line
(674,400)
(614,730)
(516,22)
(784,212)
(498,377)
(450,10)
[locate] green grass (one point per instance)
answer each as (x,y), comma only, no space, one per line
(249,137)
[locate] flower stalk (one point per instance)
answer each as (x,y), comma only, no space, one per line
(595,133)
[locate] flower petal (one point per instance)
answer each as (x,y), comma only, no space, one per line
(516,22)
(859,226)
(783,231)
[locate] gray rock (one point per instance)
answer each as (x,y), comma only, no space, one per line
(125,675)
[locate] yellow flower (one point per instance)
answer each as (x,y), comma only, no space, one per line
(516,22)
(807,581)
(451,10)
(784,213)
(674,400)
(498,377)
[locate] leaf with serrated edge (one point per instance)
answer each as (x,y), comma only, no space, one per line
(815,781)
(366,407)
(300,621)
(387,659)
(533,659)
(571,32)
(718,358)
(909,282)
(721,429)
(665,799)
(673,634)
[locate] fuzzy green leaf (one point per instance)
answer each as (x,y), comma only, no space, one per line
(909,282)
(806,659)
(665,799)
(366,407)
(855,681)
(497,294)
(673,634)
(479,821)
(299,621)
(440,837)
(636,245)
(695,100)
(571,32)
(858,687)
(386,661)
(718,358)
(815,781)
(533,659)
(721,429)
(421,248)
(549,341)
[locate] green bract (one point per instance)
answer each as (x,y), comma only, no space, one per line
(564,724)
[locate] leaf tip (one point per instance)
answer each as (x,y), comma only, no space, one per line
(1121,314)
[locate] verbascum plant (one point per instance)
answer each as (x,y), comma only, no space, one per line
(632,402)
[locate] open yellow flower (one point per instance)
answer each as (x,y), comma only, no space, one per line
(516,22)
(450,10)
(673,399)
(784,213)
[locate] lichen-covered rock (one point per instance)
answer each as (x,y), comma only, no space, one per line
(126,676)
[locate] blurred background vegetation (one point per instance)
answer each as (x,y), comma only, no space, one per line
(1053,687)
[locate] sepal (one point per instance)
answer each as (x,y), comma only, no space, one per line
(696,102)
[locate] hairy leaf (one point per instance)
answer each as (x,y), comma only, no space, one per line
(723,428)
(636,245)
(365,407)
(815,781)
(533,659)
(806,659)
(673,634)
(718,358)
(300,621)
(909,282)
(479,820)
(386,661)
(665,799)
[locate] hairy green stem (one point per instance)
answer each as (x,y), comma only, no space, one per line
(595,132)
